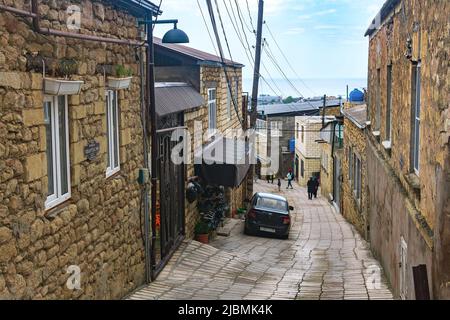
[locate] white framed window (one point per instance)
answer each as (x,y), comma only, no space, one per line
(350,164)
(389,104)
(416,117)
(58,161)
(212,109)
(357,176)
(276,128)
(112,125)
(303,134)
(378,102)
(261,126)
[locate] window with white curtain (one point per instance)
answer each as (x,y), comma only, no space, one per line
(58,161)
(212,109)
(112,120)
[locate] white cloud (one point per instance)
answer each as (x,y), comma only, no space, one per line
(295,31)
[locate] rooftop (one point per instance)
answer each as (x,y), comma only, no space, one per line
(296,109)
(138,6)
(357,114)
(382,15)
(201,56)
(314,119)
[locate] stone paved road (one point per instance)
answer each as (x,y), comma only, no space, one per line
(324,258)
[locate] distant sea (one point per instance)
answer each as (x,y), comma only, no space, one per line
(309,88)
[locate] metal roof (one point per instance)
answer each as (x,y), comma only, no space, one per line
(382,15)
(357,115)
(296,109)
(201,56)
(176,97)
(138,7)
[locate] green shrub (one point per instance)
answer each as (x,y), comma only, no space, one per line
(123,72)
(201,228)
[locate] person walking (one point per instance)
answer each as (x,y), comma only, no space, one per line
(279,184)
(290,177)
(311,188)
(316,186)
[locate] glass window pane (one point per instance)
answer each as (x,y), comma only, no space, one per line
(115,130)
(108,130)
(48,133)
(63,144)
(417,145)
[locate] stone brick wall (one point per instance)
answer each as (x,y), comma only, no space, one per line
(191,212)
(214,77)
(426,24)
(309,147)
(98,229)
(353,211)
(312,165)
(326,173)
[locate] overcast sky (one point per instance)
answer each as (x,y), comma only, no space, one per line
(321,38)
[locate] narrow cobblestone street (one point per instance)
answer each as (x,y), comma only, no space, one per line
(324,258)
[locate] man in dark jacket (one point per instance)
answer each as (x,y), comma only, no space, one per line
(316,186)
(311,187)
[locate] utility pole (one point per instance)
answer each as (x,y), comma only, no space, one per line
(323,110)
(256,76)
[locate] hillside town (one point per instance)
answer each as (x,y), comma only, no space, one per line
(141,167)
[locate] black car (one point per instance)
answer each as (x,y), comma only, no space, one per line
(268,214)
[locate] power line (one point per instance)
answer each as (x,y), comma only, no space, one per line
(287,60)
(213,22)
(207,27)
(246,46)
(250,15)
(241,16)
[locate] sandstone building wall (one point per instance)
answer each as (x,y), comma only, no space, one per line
(98,228)
(404,204)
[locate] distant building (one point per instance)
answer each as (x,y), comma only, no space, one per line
(279,120)
(354,191)
(331,143)
(307,149)
(267,99)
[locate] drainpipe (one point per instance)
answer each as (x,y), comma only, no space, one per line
(17,11)
(51,32)
(151,101)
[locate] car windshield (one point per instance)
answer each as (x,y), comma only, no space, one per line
(271,204)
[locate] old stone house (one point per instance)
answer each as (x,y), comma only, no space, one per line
(278,121)
(354,168)
(331,143)
(70,150)
(307,149)
(223,111)
(408,155)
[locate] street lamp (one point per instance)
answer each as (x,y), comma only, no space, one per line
(172,36)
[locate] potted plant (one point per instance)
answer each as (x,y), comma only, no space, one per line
(53,86)
(122,80)
(202,232)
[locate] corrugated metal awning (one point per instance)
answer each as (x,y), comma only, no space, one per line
(176,97)
(224,162)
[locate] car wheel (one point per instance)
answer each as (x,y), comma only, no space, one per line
(247,231)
